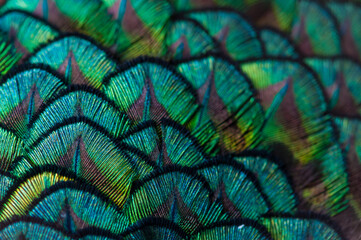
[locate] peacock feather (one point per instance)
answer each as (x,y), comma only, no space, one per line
(180,119)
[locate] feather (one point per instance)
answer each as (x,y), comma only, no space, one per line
(348,15)
(181,196)
(13,147)
(277,44)
(299,228)
(340,77)
(8,54)
(78,102)
(83,61)
(74,207)
(301,119)
(315,31)
(23,92)
(236,37)
(272,180)
(147,90)
(26,31)
(179,119)
(242,229)
(243,198)
(6,181)
(91,155)
(237,122)
(187,38)
(16,201)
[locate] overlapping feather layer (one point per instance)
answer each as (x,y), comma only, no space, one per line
(225,130)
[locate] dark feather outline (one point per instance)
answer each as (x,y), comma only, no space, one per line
(237,222)
(239,166)
(309,216)
(186,133)
(137,184)
(34,172)
(229,10)
(128,65)
(69,90)
(109,55)
(98,128)
(152,222)
(226,59)
(284,36)
(31,15)
(74,186)
(77,235)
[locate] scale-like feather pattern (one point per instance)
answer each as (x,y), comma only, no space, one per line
(144,137)
(277,44)
(180,147)
(297,117)
(35,229)
(144,24)
(183,145)
(6,181)
(186,38)
(300,110)
(341,79)
(242,5)
(178,195)
(86,16)
(74,207)
(81,61)
(17,201)
(272,181)
(283,227)
(91,155)
(314,30)
(284,12)
(20,166)
(350,140)
(147,90)
(27,32)
(8,54)
(241,199)
(23,93)
(236,37)
(31,231)
(348,15)
(154,228)
(13,147)
(244,229)
(78,103)
(227,100)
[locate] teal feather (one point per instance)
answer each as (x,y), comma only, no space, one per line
(235,35)
(83,206)
(6,181)
(186,38)
(273,182)
(299,228)
(276,44)
(242,199)
(77,58)
(238,121)
(28,31)
(168,92)
(23,93)
(238,230)
(78,103)
(193,200)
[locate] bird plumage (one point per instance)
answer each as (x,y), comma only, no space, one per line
(135,119)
